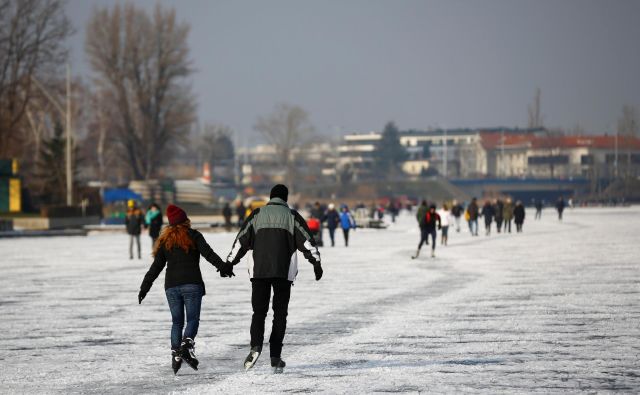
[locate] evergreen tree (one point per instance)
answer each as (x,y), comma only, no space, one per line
(389,152)
(52,167)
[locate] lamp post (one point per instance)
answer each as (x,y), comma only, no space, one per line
(66,113)
(444,152)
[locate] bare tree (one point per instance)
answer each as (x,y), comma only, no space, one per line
(32,35)
(535,112)
(141,63)
(287,128)
(215,144)
(628,129)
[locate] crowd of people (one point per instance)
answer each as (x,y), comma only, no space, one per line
(500,212)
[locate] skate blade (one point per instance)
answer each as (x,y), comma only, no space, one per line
(192,365)
(278,370)
(250,363)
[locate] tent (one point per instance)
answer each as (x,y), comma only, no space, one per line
(113,195)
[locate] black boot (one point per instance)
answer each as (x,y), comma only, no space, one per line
(252,357)
(278,365)
(188,353)
(176,361)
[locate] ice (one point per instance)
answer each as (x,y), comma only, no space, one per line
(552,309)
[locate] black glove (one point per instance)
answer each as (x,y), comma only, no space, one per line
(141,296)
(439,227)
(317,269)
(226,270)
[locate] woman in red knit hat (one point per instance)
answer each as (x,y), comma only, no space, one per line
(179,248)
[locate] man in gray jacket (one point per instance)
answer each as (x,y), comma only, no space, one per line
(274,232)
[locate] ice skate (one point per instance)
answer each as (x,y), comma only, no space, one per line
(416,255)
(176,361)
(278,365)
(433,253)
(187,353)
(252,358)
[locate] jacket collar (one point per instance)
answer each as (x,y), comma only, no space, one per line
(277,201)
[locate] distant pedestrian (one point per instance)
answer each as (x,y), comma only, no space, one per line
(432,223)
(472,213)
(333,220)
(134,222)
(518,216)
(241,212)
(153,222)
(560,205)
(226,214)
(456,211)
(317,212)
(488,213)
(347,222)
(507,214)
(538,205)
(179,248)
(498,210)
(445,220)
(393,210)
(421,216)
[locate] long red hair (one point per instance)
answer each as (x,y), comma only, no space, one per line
(175,236)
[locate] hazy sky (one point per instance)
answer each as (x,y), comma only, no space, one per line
(353,65)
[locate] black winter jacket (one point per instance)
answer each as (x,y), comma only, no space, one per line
(182,268)
(134,221)
(431,220)
(518,214)
(274,232)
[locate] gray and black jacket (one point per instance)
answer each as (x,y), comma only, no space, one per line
(274,232)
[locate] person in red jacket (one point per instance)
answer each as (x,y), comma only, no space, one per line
(431,220)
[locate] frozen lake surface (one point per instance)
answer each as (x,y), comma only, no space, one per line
(552,309)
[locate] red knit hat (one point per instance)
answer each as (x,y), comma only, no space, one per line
(176,215)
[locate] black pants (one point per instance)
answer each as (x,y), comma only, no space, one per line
(424,237)
(507,225)
(332,235)
(260,295)
(346,236)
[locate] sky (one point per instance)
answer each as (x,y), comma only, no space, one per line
(353,65)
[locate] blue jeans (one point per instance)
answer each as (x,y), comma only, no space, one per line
(184,297)
(473,226)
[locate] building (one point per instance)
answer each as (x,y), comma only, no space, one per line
(356,154)
(540,156)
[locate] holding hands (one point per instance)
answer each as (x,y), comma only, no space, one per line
(226,269)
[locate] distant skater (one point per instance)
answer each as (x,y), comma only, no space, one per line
(153,221)
(538,204)
(179,248)
(241,212)
(498,214)
(432,223)
(456,210)
(518,216)
(333,220)
(488,213)
(134,222)
(421,214)
(347,222)
(560,205)
(445,219)
(226,214)
(472,213)
(507,214)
